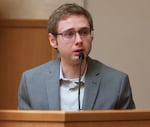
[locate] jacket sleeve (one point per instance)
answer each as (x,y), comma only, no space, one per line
(23,97)
(125,100)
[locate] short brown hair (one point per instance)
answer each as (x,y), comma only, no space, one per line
(66,10)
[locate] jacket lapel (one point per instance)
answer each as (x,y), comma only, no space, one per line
(53,84)
(92,86)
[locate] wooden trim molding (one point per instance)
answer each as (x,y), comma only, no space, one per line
(23,23)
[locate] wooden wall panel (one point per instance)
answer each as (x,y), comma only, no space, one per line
(23,45)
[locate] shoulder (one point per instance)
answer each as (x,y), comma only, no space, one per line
(104,69)
(46,67)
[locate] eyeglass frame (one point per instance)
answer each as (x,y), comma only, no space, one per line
(74,33)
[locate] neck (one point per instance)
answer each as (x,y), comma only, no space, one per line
(72,70)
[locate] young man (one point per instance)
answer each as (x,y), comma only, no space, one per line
(73,81)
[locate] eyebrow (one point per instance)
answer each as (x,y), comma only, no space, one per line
(74,29)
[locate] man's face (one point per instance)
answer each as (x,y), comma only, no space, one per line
(74,36)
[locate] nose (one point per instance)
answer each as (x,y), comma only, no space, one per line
(78,38)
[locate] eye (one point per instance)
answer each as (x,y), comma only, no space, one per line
(84,32)
(69,34)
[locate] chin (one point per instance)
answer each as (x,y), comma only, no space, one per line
(75,59)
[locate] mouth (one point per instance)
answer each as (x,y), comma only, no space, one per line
(77,52)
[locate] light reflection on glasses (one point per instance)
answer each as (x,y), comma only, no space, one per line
(70,35)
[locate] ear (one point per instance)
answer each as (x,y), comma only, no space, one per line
(52,40)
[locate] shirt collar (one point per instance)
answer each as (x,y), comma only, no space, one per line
(73,80)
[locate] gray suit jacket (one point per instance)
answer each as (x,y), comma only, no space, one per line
(105,88)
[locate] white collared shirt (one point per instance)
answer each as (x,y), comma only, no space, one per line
(69,92)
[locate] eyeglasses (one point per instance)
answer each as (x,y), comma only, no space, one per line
(70,35)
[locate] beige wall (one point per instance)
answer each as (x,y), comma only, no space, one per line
(30,9)
(122,34)
(122,40)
